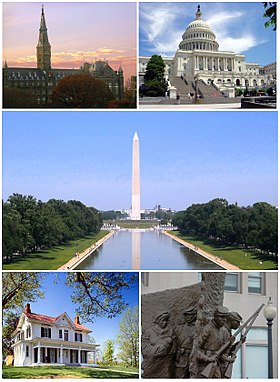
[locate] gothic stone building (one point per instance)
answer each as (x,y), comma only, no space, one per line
(199,58)
(41,80)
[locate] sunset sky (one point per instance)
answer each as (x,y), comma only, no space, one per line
(77,32)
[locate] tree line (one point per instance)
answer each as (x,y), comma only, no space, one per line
(75,91)
(252,226)
(30,224)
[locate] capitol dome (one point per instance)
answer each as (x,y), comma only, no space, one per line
(199,36)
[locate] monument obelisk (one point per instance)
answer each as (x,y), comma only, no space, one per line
(135,210)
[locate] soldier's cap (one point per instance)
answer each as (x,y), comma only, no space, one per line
(221,311)
(189,311)
(235,316)
(158,315)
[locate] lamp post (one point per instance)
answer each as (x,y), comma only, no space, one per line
(269,312)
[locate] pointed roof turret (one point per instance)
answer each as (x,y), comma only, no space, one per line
(43,46)
(43,21)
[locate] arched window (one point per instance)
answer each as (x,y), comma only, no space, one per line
(237,82)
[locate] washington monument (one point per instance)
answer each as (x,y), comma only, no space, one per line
(135,211)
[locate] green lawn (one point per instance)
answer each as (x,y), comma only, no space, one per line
(64,372)
(241,257)
(55,257)
(137,223)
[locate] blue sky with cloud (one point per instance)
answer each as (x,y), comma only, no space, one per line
(239,27)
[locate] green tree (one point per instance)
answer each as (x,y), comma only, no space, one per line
(81,91)
(20,287)
(99,293)
(9,326)
(108,354)
(128,337)
(270,13)
(154,82)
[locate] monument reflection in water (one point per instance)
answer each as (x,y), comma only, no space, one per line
(127,250)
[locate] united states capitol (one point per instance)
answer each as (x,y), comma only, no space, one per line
(199,65)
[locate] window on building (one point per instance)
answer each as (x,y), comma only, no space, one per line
(66,335)
(60,333)
(256,282)
(145,278)
(28,332)
(46,332)
(27,351)
(232,282)
(78,337)
(22,335)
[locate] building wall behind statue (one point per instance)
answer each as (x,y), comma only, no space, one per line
(244,293)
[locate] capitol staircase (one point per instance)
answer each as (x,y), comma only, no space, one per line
(208,91)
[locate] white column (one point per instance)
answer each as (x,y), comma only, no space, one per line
(94,356)
(79,355)
(61,354)
(212,63)
(31,350)
(39,352)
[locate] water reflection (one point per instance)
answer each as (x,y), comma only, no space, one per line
(128,250)
(136,238)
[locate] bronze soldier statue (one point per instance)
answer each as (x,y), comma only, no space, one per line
(184,335)
(208,343)
(232,323)
(158,348)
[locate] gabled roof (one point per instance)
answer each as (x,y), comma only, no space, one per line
(52,320)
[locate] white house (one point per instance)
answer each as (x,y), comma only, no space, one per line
(40,339)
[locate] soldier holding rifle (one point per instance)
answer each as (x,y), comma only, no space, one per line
(216,367)
(209,343)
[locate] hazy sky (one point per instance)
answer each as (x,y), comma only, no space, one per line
(239,27)
(57,300)
(77,32)
(185,157)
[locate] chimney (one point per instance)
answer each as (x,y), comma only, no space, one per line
(77,320)
(27,308)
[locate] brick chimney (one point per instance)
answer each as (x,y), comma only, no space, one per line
(27,308)
(77,320)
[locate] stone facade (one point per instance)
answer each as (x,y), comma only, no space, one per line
(39,82)
(198,57)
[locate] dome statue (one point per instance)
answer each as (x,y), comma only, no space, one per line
(199,35)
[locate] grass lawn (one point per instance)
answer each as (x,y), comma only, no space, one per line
(55,257)
(239,256)
(137,223)
(52,372)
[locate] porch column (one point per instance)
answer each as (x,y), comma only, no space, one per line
(61,354)
(39,352)
(79,355)
(31,353)
(94,356)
